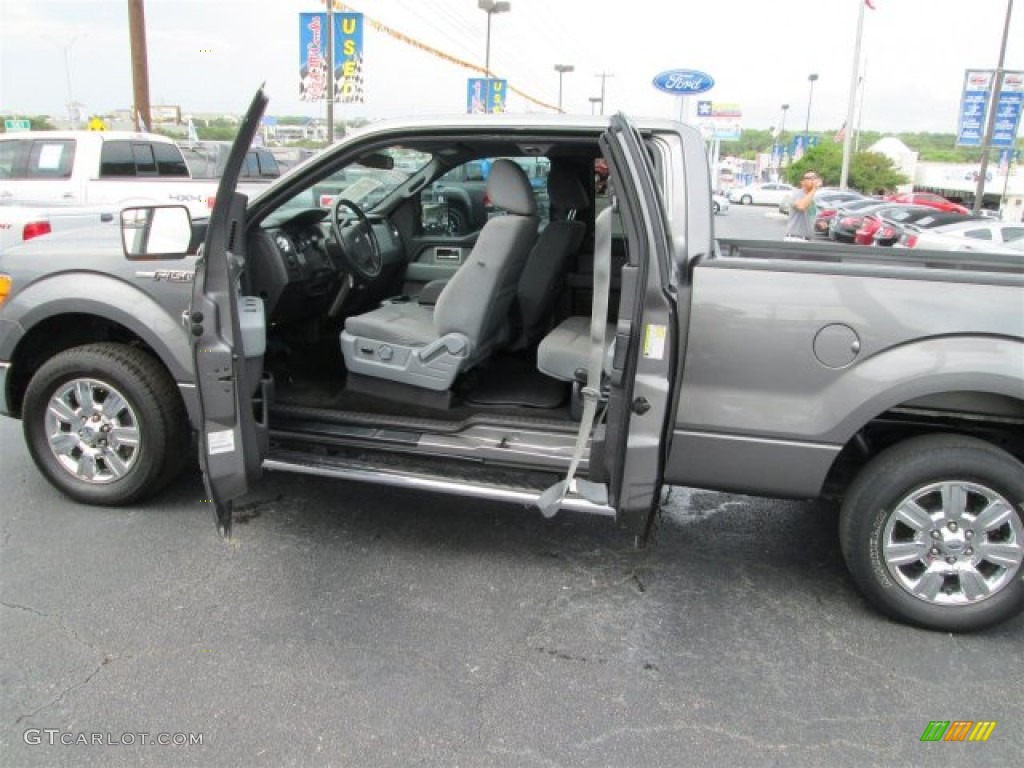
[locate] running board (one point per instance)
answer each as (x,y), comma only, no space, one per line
(348,469)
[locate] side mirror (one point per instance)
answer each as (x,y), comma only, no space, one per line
(150,233)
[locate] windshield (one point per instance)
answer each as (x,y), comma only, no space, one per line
(367,181)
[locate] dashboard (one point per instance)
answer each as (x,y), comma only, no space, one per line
(296,264)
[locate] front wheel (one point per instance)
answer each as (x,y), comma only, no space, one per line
(746,200)
(105,424)
(932,531)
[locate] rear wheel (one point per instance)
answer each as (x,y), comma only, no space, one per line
(932,531)
(105,424)
(746,200)
(714,206)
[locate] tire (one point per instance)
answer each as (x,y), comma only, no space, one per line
(98,449)
(932,531)
(746,200)
(458,221)
(715,207)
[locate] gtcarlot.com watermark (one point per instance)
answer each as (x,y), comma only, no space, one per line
(54,736)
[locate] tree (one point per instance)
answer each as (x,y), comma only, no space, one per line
(869,171)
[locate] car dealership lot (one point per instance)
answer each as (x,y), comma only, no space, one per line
(351,625)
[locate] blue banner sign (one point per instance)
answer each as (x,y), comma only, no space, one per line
(485,95)
(1008,110)
(348,57)
(684,82)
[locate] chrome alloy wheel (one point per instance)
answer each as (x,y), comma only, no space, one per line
(92,431)
(953,543)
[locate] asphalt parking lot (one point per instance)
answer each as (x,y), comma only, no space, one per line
(351,625)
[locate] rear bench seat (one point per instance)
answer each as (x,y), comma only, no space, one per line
(564,354)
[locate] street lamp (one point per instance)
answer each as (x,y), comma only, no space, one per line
(781,140)
(561,69)
(807,126)
(594,101)
(491,7)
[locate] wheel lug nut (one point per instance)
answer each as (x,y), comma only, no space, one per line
(935,551)
(953,527)
(968,551)
(951,560)
(968,534)
(936,534)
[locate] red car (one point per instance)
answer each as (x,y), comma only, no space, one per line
(929,199)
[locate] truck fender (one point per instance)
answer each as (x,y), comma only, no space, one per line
(936,366)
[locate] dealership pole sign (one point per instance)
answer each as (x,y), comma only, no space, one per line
(348,57)
(684,82)
(974,106)
(485,95)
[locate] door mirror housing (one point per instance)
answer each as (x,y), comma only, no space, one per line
(156,232)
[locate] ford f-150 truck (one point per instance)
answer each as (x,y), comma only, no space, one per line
(119,168)
(585,367)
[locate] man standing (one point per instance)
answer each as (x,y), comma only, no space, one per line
(802,210)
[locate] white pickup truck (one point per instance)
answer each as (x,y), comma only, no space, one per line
(115,168)
(19,223)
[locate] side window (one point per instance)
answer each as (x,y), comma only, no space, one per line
(268,167)
(1012,233)
(251,166)
(9,151)
(116,159)
(978,234)
(169,160)
(51,159)
(457,204)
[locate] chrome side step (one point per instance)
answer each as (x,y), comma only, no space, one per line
(347,469)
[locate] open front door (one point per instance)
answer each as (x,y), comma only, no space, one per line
(645,361)
(228,341)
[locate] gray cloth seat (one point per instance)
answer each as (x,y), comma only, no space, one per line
(566,350)
(429,346)
(544,273)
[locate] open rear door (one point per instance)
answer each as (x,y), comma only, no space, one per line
(645,361)
(227,349)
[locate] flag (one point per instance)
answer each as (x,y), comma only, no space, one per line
(193,134)
(870,4)
(840,135)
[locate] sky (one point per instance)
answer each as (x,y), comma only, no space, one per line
(209,56)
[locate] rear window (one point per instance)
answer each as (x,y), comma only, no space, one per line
(141,158)
(979,234)
(51,159)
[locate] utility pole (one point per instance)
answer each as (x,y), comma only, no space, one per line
(986,144)
(330,72)
(140,65)
(604,76)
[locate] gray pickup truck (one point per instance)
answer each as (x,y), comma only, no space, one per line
(585,367)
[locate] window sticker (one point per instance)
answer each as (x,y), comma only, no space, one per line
(220,442)
(49,157)
(654,341)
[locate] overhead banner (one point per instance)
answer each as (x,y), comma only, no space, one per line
(312,56)
(348,58)
(485,95)
(974,103)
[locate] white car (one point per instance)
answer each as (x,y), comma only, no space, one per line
(771,193)
(719,204)
(973,235)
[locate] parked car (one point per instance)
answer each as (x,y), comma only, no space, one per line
(974,235)
(891,214)
(930,199)
(719,204)
(922,217)
(842,227)
(206,160)
(771,193)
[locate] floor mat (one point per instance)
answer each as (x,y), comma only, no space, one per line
(509,380)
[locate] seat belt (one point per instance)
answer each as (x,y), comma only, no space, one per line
(551,499)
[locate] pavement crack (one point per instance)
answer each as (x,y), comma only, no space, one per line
(26,608)
(60,696)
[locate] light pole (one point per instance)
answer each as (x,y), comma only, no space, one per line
(810,96)
(782,141)
(594,101)
(561,69)
(491,7)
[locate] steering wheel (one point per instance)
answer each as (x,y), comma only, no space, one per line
(358,242)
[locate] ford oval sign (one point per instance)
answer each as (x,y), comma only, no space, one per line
(684,82)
